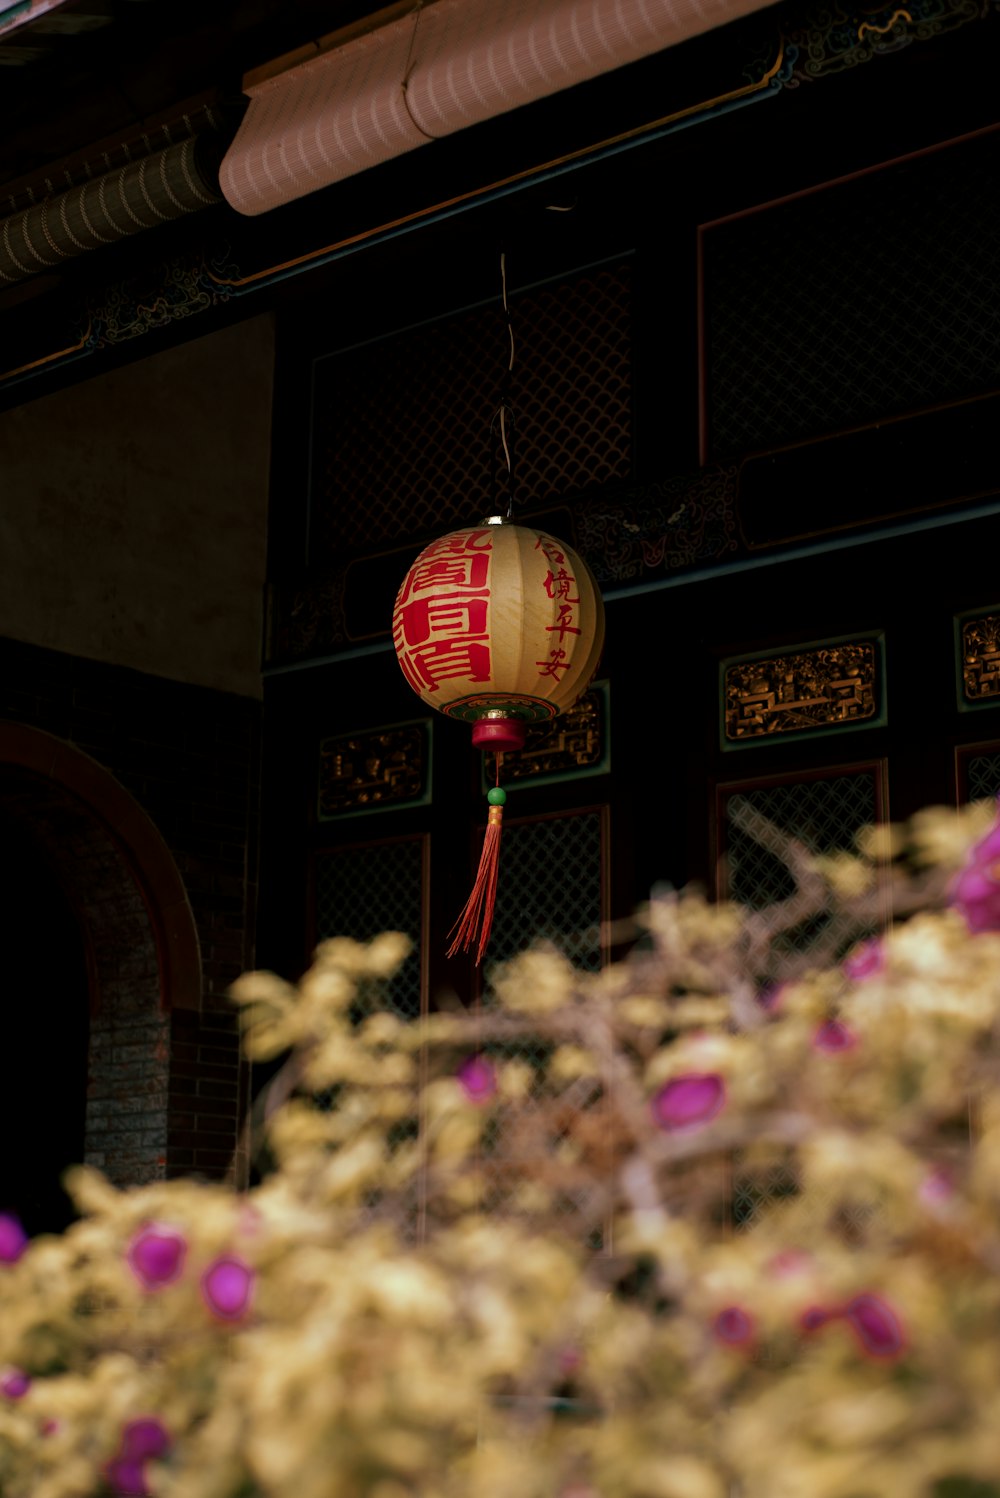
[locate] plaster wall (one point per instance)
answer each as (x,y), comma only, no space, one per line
(133,512)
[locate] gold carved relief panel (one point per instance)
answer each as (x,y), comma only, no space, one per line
(374,769)
(821,688)
(979,659)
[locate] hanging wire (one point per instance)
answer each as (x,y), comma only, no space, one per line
(504,418)
(506,311)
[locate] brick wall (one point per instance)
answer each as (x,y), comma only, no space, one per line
(207,1086)
(166,1089)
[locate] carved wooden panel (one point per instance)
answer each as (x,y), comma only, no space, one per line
(374,769)
(979,659)
(826,687)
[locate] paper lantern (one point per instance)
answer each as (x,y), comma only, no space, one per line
(498,625)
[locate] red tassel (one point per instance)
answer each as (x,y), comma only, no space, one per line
(478,912)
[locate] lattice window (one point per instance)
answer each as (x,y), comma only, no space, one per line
(982,776)
(825,814)
(759,1183)
(764,1179)
(363,891)
(872,296)
(551,888)
(402,427)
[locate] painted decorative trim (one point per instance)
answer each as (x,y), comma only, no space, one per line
(661,528)
(977,651)
(307,620)
(170,291)
(833,38)
(375,769)
(831,686)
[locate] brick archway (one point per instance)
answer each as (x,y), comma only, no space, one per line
(134,837)
(138,932)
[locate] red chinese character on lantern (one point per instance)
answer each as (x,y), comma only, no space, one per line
(556,662)
(455,562)
(444,660)
(551,551)
(459,544)
(558,584)
(460,572)
(416,621)
(564,624)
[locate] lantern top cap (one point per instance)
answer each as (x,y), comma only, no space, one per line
(496,520)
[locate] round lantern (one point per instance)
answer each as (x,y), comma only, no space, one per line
(499,625)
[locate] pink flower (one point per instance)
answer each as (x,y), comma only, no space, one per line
(876,1326)
(975,893)
(865,960)
(14,1383)
(936,1188)
(145,1438)
(127,1475)
(871,1319)
(788,1262)
(689,1101)
(976,897)
(156,1256)
(13,1238)
(142,1440)
(814,1317)
(477,1079)
(227,1287)
(733,1326)
(833,1035)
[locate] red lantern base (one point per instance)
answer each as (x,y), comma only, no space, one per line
(499,734)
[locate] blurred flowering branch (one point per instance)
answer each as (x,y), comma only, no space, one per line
(498,1254)
(845,897)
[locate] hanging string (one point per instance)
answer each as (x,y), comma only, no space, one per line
(504,418)
(506,313)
